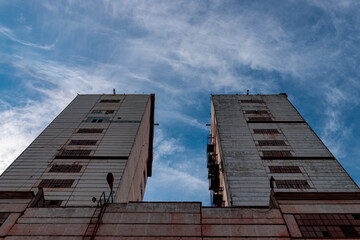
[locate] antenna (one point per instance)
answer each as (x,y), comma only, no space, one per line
(247,92)
(114,91)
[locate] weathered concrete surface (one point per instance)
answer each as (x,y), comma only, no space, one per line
(244,176)
(121,148)
(175,220)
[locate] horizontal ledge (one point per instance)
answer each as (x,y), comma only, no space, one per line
(318,196)
(276,122)
(91,157)
(298,158)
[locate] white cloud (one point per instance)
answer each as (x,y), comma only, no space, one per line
(9,34)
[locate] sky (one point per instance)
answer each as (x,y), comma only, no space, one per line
(183,51)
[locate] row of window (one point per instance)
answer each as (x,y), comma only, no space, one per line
(329,225)
(74,168)
(297,184)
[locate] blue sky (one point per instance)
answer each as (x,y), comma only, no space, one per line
(182,51)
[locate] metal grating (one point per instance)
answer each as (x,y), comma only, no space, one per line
(83,142)
(66,168)
(90,130)
(284,169)
(75,153)
(56,183)
(328,225)
(271,143)
(266,131)
(277,154)
(298,184)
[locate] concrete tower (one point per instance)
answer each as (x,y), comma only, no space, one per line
(256,137)
(92,136)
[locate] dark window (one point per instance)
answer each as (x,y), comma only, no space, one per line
(56,183)
(109,101)
(284,169)
(260,119)
(356,216)
(256,112)
(3,217)
(97,120)
(83,142)
(66,168)
(266,131)
(300,184)
(271,143)
(52,203)
(328,225)
(90,130)
(97,112)
(252,101)
(102,112)
(277,154)
(349,231)
(74,153)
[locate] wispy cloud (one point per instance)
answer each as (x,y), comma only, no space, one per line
(9,34)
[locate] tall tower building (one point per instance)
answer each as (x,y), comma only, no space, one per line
(256,137)
(92,136)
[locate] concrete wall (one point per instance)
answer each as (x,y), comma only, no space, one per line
(188,220)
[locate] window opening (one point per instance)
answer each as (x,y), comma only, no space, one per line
(256,112)
(52,203)
(66,168)
(271,143)
(266,131)
(284,169)
(75,153)
(277,154)
(83,142)
(56,183)
(90,130)
(260,119)
(328,225)
(102,112)
(109,101)
(97,120)
(298,184)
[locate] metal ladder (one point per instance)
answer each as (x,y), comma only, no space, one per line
(95,220)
